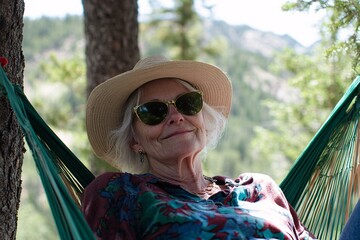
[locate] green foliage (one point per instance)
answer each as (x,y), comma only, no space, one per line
(62,83)
(316,85)
(34,217)
(46,33)
(58,93)
(342,24)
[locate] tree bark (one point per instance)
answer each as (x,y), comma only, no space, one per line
(111,33)
(11,138)
(111,36)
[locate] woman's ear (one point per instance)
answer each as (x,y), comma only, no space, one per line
(135,146)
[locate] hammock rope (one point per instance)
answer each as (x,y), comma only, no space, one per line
(323,185)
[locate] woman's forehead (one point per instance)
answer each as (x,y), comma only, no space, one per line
(161,89)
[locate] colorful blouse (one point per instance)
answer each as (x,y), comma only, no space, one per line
(127,206)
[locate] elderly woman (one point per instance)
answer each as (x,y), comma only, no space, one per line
(154,123)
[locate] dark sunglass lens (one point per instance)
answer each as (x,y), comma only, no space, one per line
(190,103)
(152,113)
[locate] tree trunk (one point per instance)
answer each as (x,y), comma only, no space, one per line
(11,138)
(111,34)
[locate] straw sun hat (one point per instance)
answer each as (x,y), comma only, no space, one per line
(106,101)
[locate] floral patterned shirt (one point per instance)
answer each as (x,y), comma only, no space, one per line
(127,206)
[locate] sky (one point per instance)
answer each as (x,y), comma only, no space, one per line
(265,15)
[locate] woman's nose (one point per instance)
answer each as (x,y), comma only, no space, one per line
(174,115)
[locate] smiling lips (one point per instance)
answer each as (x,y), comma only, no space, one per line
(178,132)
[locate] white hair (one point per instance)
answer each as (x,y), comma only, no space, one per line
(121,139)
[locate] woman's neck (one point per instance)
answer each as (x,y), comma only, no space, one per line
(187,173)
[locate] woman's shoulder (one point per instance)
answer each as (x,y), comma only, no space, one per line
(107,176)
(103,179)
(108,179)
(113,185)
(109,193)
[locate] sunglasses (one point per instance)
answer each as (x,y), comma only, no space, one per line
(154,112)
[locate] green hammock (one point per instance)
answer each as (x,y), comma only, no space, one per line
(63,175)
(322,185)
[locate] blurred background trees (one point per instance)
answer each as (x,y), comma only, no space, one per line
(318,80)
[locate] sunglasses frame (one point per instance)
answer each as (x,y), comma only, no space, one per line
(167,103)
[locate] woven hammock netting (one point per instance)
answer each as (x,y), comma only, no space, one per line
(323,184)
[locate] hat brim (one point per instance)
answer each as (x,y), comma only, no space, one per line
(105,103)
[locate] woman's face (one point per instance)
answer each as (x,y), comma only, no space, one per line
(178,136)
